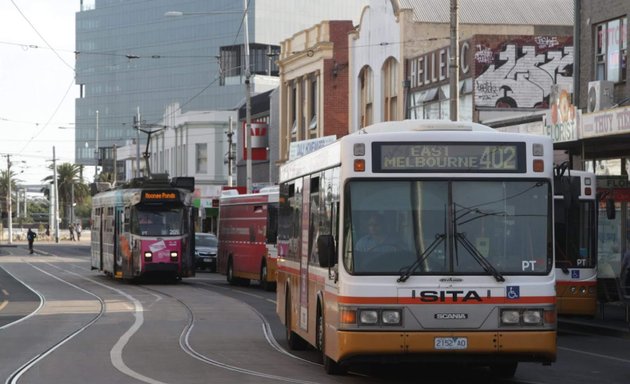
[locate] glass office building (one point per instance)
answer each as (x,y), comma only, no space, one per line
(133,59)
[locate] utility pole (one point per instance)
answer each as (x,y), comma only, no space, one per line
(136,125)
(56,201)
(9,207)
(97,153)
(454,62)
(230,133)
(248,105)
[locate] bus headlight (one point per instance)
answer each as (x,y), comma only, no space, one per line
(532,316)
(391,317)
(173,255)
(510,316)
(521,316)
(368,316)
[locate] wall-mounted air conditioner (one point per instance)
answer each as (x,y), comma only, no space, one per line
(600,95)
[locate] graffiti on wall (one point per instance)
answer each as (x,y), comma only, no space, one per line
(520,72)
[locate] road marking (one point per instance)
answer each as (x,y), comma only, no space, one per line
(4,291)
(595,354)
(3,304)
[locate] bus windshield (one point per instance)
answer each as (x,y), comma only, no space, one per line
(457,227)
(574,243)
(157,222)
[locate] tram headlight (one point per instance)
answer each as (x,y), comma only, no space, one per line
(174,255)
(582,290)
(148,255)
(391,317)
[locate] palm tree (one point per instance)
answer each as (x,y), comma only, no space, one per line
(70,186)
(5,176)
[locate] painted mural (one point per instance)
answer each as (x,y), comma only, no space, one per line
(519,71)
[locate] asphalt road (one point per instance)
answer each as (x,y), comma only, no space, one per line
(64,323)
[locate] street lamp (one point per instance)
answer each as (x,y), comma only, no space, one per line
(246,71)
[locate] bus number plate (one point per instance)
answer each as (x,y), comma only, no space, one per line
(450,343)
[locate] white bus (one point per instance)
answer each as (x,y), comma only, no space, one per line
(576,210)
(458,261)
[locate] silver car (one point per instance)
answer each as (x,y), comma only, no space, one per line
(206,251)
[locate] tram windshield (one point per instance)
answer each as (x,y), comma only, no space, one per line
(458,227)
(157,222)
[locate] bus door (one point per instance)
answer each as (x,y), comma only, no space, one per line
(304,236)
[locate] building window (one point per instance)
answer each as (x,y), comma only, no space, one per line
(314,104)
(611,50)
(366,96)
(390,90)
(293,111)
(201,156)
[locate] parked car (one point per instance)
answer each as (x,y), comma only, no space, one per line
(206,251)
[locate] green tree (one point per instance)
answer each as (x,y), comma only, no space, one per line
(70,185)
(5,176)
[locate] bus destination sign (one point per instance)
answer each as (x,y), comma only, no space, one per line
(449,157)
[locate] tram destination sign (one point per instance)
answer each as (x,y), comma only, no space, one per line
(448,157)
(160,195)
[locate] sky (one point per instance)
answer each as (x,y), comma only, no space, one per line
(37,88)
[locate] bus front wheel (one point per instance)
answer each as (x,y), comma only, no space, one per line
(230,273)
(504,370)
(330,366)
(264,276)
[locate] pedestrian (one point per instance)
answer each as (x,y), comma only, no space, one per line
(71,230)
(30,236)
(78,229)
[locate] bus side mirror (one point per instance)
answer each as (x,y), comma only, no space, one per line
(326,251)
(610,209)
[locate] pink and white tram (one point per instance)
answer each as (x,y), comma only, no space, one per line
(144,228)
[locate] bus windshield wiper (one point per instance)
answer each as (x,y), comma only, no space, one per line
(407,271)
(481,259)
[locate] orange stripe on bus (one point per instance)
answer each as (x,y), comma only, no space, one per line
(576,282)
(410,300)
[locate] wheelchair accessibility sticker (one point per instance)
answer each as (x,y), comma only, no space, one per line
(575,274)
(512,292)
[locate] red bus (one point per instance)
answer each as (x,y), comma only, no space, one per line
(248,228)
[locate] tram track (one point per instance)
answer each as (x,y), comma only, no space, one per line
(184,338)
(185,345)
(18,373)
